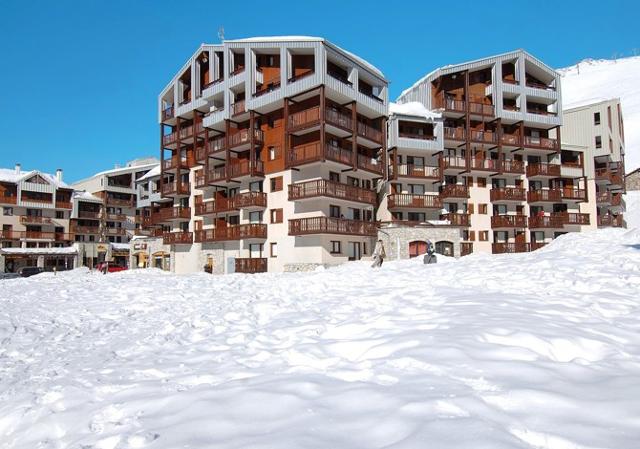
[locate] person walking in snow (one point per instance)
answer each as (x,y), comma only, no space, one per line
(429,256)
(378,255)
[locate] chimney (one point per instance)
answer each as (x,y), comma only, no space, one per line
(59,175)
(17,169)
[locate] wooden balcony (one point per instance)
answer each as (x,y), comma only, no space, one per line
(572,218)
(411,201)
(488,165)
(115,217)
(112,201)
(330,189)
(232,232)
(115,231)
(338,119)
(171,214)
(508,221)
(248,200)
(243,137)
(8,199)
(416,136)
(238,107)
(574,194)
(537,85)
(457,219)
(543,170)
(304,119)
(466,248)
(505,194)
(454,163)
(546,221)
(369,132)
(369,163)
(9,235)
(449,103)
(37,235)
(512,166)
(544,196)
(512,140)
(251,265)
(304,154)
(89,214)
(213,146)
(174,188)
(167,113)
(64,205)
(177,238)
(481,109)
(220,205)
(416,171)
(513,247)
(77,229)
(338,154)
(454,191)
(603,198)
(330,225)
(242,167)
(33,219)
(542,143)
(63,237)
(483,136)
(454,133)
(611,221)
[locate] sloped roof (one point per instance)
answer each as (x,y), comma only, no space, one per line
(10,175)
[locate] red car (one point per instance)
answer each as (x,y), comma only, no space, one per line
(110,267)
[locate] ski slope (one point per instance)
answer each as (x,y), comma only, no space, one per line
(538,350)
(593,80)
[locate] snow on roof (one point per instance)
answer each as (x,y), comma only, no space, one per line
(10,175)
(85,196)
(40,251)
(120,246)
(586,102)
(413,108)
(353,56)
(155,171)
(125,169)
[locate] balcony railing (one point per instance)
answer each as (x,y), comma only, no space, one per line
(572,218)
(251,265)
(8,199)
(449,103)
(481,108)
(112,201)
(454,133)
(508,194)
(456,219)
(413,201)
(484,164)
(369,163)
(511,139)
(545,221)
(303,154)
(330,225)
(234,232)
(543,169)
(9,235)
(513,247)
(37,235)
(177,238)
(603,197)
(339,119)
(35,219)
(167,113)
(369,132)
(512,166)
(541,142)
(89,214)
(249,199)
(242,167)
(454,162)
(238,107)
(171,213)
(115,231)
(454,191)
(174,163)
(544,196)
(417,171)
(331,189)
(484,136)
(64,205)
(77,229)
(175,188)
(574,194)
(304,118)
(538,85)
(610,220)
(115,217)
(338,154)
(244,136)
(509,221)
(417,136)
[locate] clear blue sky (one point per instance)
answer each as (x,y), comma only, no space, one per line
(80,78)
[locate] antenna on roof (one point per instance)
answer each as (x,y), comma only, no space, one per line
(221,33)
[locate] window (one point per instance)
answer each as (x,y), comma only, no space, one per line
(353,181)
(335,247)
(276,215)
(255,250)
(598,142)
(417,216)
(482,182)
(483,236)
(276,184)
(273,249)
(272,153)
(609,116)
(596,118)
(255,217)
(7,211)
(334,211)
(255,186)
(59,214)
(333,176)
(470,208)
(482,209)
(472,236)
(416,189)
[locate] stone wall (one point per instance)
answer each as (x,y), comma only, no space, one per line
(632,180)
(393,235)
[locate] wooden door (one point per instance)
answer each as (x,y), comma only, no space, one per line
(417,248)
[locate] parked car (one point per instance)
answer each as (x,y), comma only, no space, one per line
(26,272)
(110,267)
(9,275)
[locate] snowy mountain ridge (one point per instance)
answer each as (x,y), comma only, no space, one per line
(592,80)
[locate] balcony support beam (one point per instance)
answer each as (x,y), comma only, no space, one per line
(323,106)
(252,143)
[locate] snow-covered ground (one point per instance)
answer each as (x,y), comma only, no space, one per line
(593,80)
(632,213)
(537,350)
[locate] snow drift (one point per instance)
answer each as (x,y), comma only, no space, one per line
(538,350)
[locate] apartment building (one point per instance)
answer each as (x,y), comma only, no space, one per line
(271,153)
(36,208)
(486,159)
(599,126)
(105,216)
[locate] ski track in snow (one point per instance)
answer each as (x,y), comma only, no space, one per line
(537,350)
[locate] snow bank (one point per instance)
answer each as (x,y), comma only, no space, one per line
(632,214)
(414,108)
(593,80)
(538,350)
